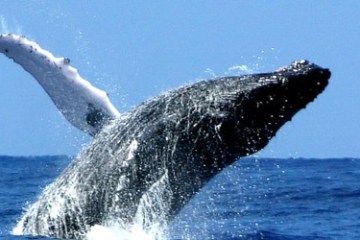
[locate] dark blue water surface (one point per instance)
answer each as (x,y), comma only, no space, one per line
(253,199)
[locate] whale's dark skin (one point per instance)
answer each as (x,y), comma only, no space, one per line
(188,135)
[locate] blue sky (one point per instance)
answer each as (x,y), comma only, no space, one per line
(138,49)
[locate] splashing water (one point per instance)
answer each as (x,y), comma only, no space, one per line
(5,29)
(3,25)
(238,70)
(97,196)
(149,221)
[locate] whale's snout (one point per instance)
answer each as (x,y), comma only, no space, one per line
(265,102)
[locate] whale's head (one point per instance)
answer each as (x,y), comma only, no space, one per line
(233,117)
(200,129)
(250,109)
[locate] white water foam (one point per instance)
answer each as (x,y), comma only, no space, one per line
(98,232)
(239,70)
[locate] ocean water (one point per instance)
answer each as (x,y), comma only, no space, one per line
(252,199)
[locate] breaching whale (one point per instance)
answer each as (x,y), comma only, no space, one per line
(164,150)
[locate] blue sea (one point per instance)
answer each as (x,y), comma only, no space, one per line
(253,199)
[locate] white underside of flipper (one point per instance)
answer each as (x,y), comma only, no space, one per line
(85,106)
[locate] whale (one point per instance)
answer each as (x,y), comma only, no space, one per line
(150,162)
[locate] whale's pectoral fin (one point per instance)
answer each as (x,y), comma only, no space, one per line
(83,105)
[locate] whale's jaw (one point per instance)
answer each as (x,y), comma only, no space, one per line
(171,145)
